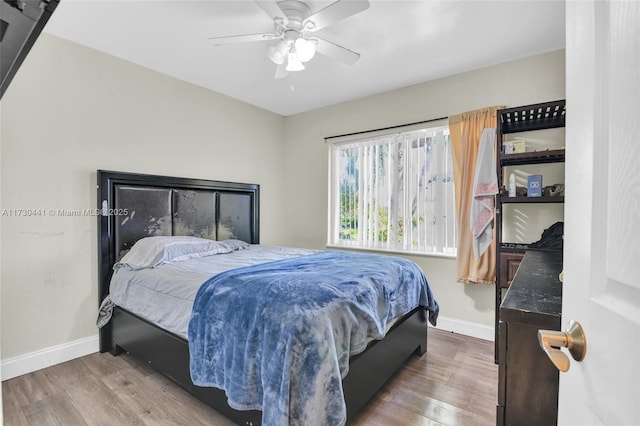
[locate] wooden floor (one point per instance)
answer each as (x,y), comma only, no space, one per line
(455,383)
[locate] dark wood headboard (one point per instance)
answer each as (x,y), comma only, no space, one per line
(134,206)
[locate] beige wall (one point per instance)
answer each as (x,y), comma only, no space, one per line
(71,110)
(535,79)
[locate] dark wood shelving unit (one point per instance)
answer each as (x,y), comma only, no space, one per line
(527,118)
(536,157)
(521,248)
(546,115)
(531,200)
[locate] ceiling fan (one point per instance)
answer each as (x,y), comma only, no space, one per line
(293,41)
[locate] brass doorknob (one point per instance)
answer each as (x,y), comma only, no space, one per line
(573,339)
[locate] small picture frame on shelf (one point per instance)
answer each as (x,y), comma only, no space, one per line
(519,146)
(534,186)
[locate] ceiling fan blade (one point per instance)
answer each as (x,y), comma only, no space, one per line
(273,10)
(281,71)
(335,12)
(340,53)
(217,41)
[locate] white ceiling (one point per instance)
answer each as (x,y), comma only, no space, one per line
(401,43)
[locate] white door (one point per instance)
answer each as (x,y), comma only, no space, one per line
(601,287)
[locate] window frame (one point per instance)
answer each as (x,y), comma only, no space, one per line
(333,240)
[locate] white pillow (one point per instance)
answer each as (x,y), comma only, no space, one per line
(236,244)
(150,252)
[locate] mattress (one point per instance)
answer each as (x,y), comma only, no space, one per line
(164,295)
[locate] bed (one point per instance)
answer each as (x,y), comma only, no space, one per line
(135,206)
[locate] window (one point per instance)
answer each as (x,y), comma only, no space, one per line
(394,192)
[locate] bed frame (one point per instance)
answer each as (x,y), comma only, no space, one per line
(134,206)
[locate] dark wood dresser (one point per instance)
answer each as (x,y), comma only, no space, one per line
(528,381)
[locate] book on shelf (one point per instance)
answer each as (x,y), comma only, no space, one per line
(534,186)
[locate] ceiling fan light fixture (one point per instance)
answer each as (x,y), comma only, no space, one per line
(293,41)
(305,49)
(293,62)
(278,52)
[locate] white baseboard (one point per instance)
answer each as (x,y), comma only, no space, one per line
(27,363)
(467,328)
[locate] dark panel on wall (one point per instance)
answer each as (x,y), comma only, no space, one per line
(147,215)
(234,220)
(194,213)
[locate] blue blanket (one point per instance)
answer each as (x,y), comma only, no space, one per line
(277,336)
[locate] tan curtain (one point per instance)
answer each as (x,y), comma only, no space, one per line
(466,131)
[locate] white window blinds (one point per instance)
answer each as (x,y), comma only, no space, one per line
(394,193)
